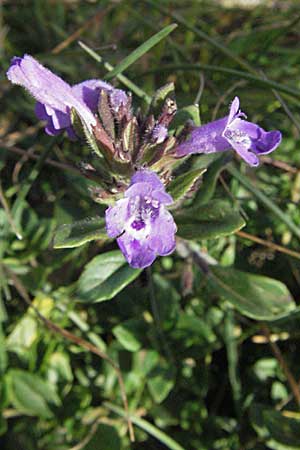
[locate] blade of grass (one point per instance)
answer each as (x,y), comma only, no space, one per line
(140,51)
(269,204)
(285,107)
(27,185)
(129,84)
(32,177)
(226,51)
(146,426)
(238,73)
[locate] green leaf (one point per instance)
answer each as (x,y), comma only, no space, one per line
(161,436)
(255,296)
(265,368)
(106,437)
(140,51)
(23,335)
(60,367)
(105,276)
(192,330)
(145,361)
(217,218)
(278,431)
(160,382)
(167,311)
(30,394)
(208,187)
(3,354)
(78,233)
(288,322)
(269,204)
(183,183)
(129,334)
(190,112)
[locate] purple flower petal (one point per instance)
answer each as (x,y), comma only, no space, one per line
(164,229)
(139,188)
(267,142)
(234,110)
(40,111)
(57,96)
(44,85)
(137,253)
(147,176)
(115,217)
(205,139)
(159,133)
(88,91)
(118,98)
(163,197)
(144,227)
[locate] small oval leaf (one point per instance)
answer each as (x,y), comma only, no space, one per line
(217,218)
(183,183)
(104,277)
(30,394)
(78,233)
(255,296)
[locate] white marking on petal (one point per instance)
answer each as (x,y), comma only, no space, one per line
(238,137)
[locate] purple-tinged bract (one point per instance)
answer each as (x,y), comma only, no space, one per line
(246,138)
(144,228)
(55,97)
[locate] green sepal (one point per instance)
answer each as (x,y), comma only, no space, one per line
(130,136)
(77,123)
(160,96)
(81,127)
(183,115)
(105,114)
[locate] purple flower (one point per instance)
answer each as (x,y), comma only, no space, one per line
(246,138)
(118,99)
(159,133)
(144,228)
(55,97)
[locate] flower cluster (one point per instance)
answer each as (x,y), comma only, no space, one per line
(137,152)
